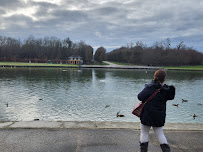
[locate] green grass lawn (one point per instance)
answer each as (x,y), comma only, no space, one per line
(36,64)
(195,67)
(121,63)
(43,64)
(100,63)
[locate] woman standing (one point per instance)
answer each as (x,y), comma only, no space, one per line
(154,112)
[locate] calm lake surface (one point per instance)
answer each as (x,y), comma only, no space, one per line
(57,94)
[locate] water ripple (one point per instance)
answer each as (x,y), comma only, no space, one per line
(50,94)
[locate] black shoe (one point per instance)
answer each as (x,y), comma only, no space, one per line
(165,148)
(143,147)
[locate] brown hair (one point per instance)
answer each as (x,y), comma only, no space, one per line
(159,75)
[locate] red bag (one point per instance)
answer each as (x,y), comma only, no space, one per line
(138,108)
(137,111)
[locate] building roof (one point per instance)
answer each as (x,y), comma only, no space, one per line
(75,56)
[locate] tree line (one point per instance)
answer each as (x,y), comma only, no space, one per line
(160,53)
(43,49)
(57,50)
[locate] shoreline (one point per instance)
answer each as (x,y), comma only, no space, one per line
(93,125)
(36,66)
(97,66)
(109,65)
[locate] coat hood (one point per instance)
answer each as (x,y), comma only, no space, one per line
(157,85)
(153,84)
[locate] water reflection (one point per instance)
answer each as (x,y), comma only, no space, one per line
(82,94)
(100,74)
(185,75)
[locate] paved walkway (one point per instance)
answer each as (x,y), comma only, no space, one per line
(116,66)
(46,136)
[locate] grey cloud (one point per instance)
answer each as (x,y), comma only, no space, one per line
(106,10)
(67,15)
(82,4)
(111,17)
(53,14)
(8,4)
(42,5)
(18,22)
(2,11)
(43,8)
(169,20)
(89,18)
(18,18)
(111,23)
(41,13)
(63,20)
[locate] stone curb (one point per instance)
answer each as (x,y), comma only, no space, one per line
(93,125)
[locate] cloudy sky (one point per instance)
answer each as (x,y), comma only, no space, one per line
(107,23)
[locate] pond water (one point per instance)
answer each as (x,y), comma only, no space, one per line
(56,94)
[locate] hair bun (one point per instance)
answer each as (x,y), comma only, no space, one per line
(159,76)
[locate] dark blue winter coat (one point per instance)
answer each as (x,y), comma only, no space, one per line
(154,112)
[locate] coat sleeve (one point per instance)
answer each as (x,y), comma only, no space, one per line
(171,93)
(144,94)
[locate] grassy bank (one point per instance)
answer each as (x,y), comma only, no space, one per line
(195,67)
(122,63)
(35,64)
(100,63)
(24,64)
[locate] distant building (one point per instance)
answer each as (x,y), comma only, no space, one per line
(75,59)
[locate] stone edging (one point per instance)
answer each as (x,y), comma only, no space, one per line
(93,125)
